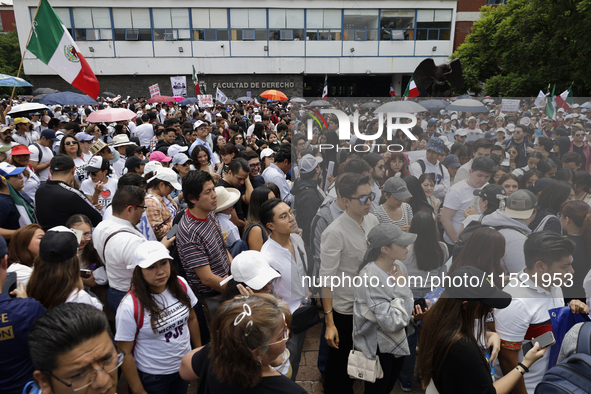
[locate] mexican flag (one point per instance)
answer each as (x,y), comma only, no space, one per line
(325,90)
(551,105)
(565,99)
(411,89)
(53,45)
(196,82)
(392,93)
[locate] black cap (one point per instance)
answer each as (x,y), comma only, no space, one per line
(131,149)
(473,284)
(490,192)
(58,244)
(61,163)
(133,162)
(483,164)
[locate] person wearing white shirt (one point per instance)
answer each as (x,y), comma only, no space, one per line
(276,171)
(526,317)
(41,154)
(207,114)
(145,131)
(480,148)
(22,132)
(286,253)
(432,165)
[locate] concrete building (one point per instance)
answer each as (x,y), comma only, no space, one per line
(363,46)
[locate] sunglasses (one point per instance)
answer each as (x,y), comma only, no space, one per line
(68,143)
(579,135)
(363,199)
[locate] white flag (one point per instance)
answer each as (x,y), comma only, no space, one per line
(220,96)
(540,100)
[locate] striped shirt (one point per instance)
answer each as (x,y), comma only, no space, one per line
(199,243)
(405,220)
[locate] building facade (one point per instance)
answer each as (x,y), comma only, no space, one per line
(363,47)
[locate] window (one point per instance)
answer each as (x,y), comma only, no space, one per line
(323,25)
(171,24)
(434,24)
(360,25)
(210,24)
(286,25)
(496,2)
(132,24)
(63,13)
(92,24)
(397,25)
(248,19)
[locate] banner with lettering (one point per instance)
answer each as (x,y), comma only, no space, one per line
(154,90)
(205,100)
(179,86)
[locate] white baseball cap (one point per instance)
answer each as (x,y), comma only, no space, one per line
(198,123)
(149,253)
(166,175)
(267,152)
(251,268)
(174,149)
(258,118)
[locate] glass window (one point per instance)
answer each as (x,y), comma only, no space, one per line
(434,24)
(286,25)
(248,19)
(136,20)
(323,25)
(171,24)
(210,24)
(360,25)
(92,24)
(397,25)
(63,13)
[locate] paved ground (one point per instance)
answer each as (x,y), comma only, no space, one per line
(308,375)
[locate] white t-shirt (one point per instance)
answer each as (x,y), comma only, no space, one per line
(47,156)
(106,196)
(459,198)
(229,229)
(80,173)
(23,273)
(145,133)
(32,183)
(82,297)
(157,353)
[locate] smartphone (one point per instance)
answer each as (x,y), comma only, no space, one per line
(10,283)
(422,303)
(545,340)
(85,273)
(172,232)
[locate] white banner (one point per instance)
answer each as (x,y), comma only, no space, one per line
(510,105)
(179,86)
(205,100)
(154,90)
(220,96)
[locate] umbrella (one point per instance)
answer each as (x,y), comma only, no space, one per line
(109,94)
(434,104)
(298,100)
(231,102)
(68,98)
(161,99)
(586,105)
(400,106)
(467,105)
(369,105)
(320,103)
(110,115)
(45,91)
(275,95)
(38,97)
(9,80)
(189,100)
(244,99)
(27,107)
(178,98)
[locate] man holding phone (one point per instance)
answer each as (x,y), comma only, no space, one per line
(527,316)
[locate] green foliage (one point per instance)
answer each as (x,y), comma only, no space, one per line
(517,49)
(10,58)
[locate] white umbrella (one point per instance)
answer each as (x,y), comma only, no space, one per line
(467,105)
(320,103)
(400,106)
(298,100)
(27,107)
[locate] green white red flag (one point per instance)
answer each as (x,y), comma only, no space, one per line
(565,99)
(325,90)
(53,45)
(196,82)
(411,89)
(551,105)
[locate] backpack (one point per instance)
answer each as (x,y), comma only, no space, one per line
(473,226)
(424,167)
(36,145)
(138,312)
(242,245)
(573,375)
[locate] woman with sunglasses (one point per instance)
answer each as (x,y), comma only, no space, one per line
(161,209)
(100,187)
(156,323)
(580,145)
(20,157)
(248,339)
(237,139)
(71,147)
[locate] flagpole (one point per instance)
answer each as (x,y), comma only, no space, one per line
(25,51)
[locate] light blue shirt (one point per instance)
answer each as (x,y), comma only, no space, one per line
(275,175)
(214,159)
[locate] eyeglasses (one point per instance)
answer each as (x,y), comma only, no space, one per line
(255,165)
(86,379)
(137,206)
(363,199)
(284,338)
(68,143)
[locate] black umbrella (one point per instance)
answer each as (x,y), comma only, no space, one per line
(44,91)
(38,97)
(109,94)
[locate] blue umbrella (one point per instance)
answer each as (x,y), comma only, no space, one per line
(67,98)
(244,99)
(434,104)
(9,80)
(189,100)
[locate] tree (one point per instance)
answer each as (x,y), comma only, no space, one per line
(517,49)
(10,58)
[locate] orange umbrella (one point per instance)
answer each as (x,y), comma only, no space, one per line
(275,95)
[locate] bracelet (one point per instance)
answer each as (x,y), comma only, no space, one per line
(326,313)
(526,369)
(520,371)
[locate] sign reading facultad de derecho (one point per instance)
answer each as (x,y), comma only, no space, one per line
(253,85)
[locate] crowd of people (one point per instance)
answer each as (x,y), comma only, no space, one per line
(202,244)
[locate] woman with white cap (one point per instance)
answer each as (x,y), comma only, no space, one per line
(156,323)
(160,208)
(181,164)
(99,187)
(384,305)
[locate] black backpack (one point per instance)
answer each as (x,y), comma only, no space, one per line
(473,226)
(573,375)
(424,167)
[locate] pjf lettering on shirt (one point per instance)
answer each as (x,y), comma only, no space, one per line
(177,332)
